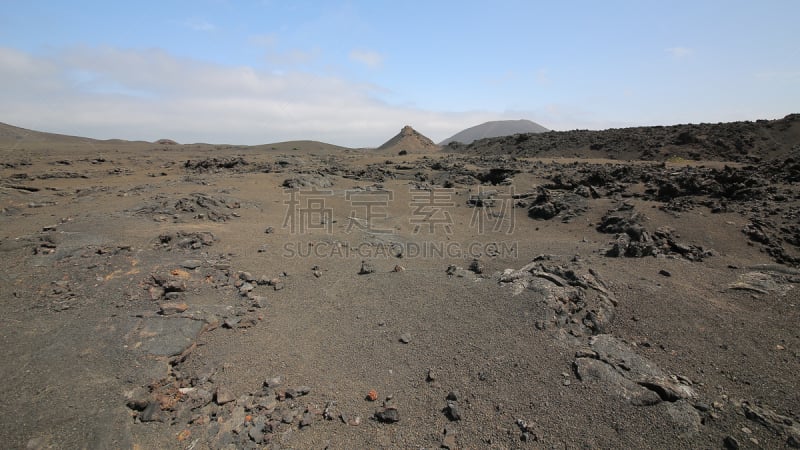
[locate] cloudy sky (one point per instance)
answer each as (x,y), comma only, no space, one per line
(354,72)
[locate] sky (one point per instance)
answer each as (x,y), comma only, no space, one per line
(353,73)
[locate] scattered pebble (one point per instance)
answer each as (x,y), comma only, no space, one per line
(431,376)
(730,443)
(223,396)
(476,266)
(372,395)
(453,411)
(307,419)
(449,441)
(366,268)
(388,415)
(173,308)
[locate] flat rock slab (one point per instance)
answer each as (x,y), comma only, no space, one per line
(589,369)
(167,336)
(621,356)
(629,375)
(763,282)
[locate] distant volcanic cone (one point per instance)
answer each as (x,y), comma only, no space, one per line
(411,141)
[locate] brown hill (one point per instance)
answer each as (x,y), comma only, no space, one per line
(12,134)
(411,141)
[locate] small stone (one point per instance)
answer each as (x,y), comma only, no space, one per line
(366,268)
(174,286)
(269,230)
(431,376)
(246,276)
(730,443)
(223,396)
(247,323)
(191,264)
(272,382)
(399,268)
(453,396)
(150,413)
(664,273)
(354,421)
(702,407)
(307,419)
(476,266)
(449,441)
(388,415)
(287,417)
(139,400)
(256,434)
(297,392)
(327,413)
(316,273)
(173,308)
(746,430)
(268,404)
(155,292)
(245,288)
(263,280)
(405,338)
(453,411)
(231,323)
(259,301)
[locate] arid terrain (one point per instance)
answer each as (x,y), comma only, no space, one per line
(632,288)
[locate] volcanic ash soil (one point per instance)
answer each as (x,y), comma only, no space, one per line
(194,296)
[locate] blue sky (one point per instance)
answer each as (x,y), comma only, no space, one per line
(354,72)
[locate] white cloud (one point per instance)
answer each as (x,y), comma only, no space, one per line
(149,94)
(197,24)
(369,58)
(679,52)
(263,40)
(292,57)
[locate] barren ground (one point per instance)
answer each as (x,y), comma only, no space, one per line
(144,305)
